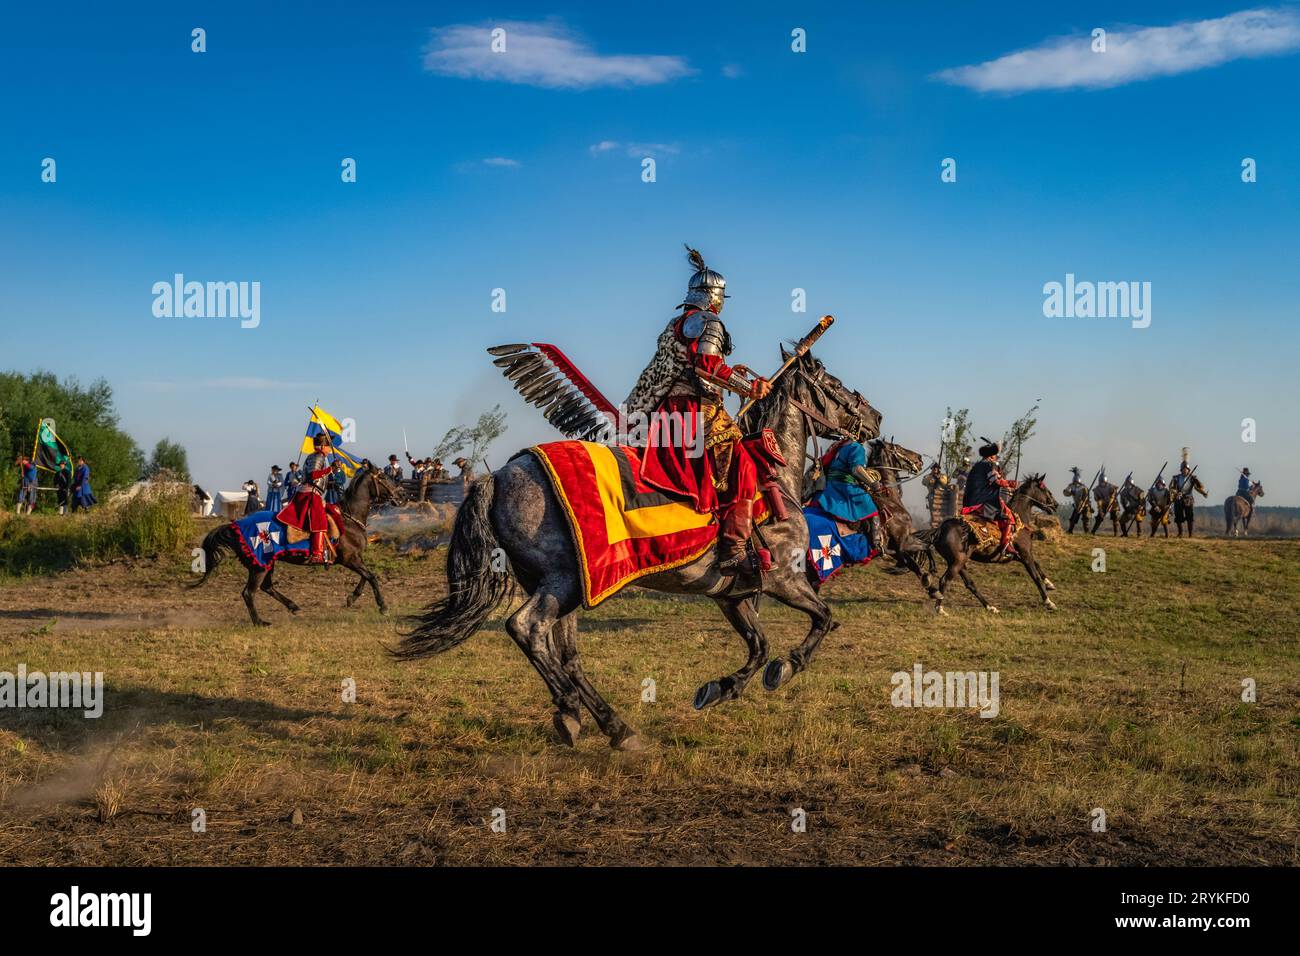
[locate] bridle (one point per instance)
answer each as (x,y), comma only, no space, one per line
(375,484)
(815,381)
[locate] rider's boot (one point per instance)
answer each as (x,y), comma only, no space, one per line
(317,555)
(1005,548)
(737,524)
(1190,522)
(871,528)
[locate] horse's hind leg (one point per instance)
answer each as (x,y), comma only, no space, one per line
(909,561)
(956,561)
(568,724)
(743,616)
(531,628)
(268,586)
(254,581)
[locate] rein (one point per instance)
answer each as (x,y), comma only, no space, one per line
(374,491)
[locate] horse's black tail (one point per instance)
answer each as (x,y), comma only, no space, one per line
(926,538)
(215,545)
(476,582)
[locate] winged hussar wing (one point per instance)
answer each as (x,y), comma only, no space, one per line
(544,376)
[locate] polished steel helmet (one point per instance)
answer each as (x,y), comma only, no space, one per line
(707,289)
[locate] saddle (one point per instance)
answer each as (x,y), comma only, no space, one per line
(296,535)
(985,531)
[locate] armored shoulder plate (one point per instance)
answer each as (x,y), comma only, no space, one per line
(693,325)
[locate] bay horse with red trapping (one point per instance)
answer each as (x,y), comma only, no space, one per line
(517,510)
(369,486)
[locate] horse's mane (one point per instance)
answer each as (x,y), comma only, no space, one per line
(766,412)
(357,477)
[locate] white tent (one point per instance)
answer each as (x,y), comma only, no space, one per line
(229,504)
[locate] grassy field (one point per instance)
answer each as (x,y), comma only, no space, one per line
(1128,699)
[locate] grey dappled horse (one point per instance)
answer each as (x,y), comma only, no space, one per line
(515,509)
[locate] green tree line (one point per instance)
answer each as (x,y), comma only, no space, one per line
(86,420)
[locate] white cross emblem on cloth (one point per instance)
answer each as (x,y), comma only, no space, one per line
(265,536)
(826,553)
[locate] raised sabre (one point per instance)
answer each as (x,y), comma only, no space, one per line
(800,350)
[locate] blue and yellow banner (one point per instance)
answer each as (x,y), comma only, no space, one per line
(323,421)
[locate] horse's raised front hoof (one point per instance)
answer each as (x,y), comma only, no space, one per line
(777,673)
(707,695)
(627,741)
(567,726)
(1049,585)
(1049,604)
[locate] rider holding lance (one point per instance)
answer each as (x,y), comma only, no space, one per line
(684,383)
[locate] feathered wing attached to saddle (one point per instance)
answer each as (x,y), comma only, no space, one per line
(544,376)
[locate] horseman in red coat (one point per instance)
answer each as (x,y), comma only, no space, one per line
(307,510)
(694,446)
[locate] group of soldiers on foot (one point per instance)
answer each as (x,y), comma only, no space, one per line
(1126,505)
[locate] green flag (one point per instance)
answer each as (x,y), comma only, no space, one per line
(49,453)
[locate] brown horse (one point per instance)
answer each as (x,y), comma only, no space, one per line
(369,487)
(897,535)
(957,542)
(1239,508)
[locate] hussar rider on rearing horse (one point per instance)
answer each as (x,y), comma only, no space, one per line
(684,382)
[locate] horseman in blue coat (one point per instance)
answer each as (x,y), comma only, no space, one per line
(1243,484)
(845,496)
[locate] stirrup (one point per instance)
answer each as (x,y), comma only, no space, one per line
(736,563)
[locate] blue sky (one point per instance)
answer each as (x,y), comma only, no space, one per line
(818,170)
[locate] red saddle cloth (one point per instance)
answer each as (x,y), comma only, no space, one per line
(622,528)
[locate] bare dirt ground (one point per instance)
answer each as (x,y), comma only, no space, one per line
(1128,699)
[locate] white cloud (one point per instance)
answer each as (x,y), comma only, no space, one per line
(500,161)
(1134,53)
(733,71)
(635,150)
(541,54)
